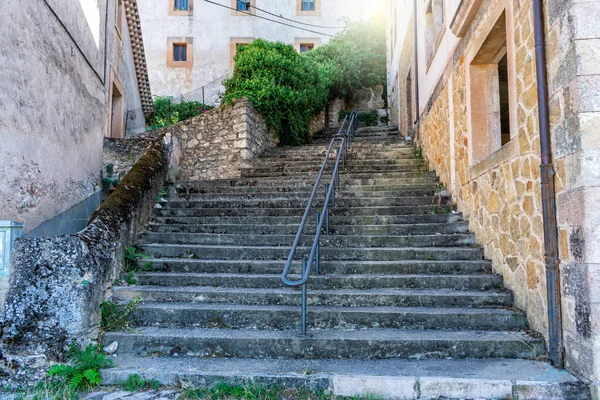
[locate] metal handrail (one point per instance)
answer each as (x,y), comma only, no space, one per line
(345,139)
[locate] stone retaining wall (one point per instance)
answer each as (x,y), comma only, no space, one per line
(216,144)
(58,283)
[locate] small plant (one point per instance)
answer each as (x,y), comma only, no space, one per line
(419,153)
(164,191)
(110,180)
(135,382)
(116,316)
(84,371)
(132,257)
(130,279)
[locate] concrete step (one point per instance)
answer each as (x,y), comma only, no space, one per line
(327,267)
(292,229)
(298,211)
(366,344)
(191,188)
(269,162)
(385,379)
(253,239)
(340,297)
(390,179)
(408,165)
(227,252)
(350,178)
(324,281)
(301,195)
(279,317)
(280,202)
(339,220)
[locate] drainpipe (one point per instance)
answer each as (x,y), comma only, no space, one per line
(416,67)
(552,259)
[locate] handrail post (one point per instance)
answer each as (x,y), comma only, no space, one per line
(317,252)
(327,222)
(333,195)
(304,298)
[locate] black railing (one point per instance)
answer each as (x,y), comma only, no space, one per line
(343,139)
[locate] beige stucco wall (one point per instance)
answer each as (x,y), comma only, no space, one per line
(54,103)
(500,195)
(212,29)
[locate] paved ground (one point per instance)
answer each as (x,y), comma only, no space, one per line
(122,395)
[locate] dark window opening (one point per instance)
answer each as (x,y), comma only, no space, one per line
(304,47)
(243,5)
(504,104)
(179,52)
(181,5)
(308,5)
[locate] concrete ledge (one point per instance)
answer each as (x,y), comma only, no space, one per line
(499,157)
(388,379)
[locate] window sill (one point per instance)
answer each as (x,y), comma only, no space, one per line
(181,13)
(179,64)
(497,158)
(300,13)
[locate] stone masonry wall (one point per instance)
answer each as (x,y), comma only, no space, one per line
(501,195)
(216,144)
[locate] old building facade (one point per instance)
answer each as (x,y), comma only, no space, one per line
(66,83)
(190,43)
(470,100)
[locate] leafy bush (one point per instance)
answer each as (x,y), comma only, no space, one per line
(84,371)
(168,113)
(289,88)
(357,57)
(285,87)
(369,119)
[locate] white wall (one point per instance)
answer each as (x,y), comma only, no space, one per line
(54,104)
(212,27)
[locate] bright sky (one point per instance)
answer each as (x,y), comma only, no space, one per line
(361,9)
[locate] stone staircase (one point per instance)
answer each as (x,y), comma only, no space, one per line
(405,307)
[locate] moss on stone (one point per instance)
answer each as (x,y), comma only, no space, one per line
(123,201)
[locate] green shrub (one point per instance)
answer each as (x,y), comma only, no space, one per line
(168,113)
(83,373)
(285,87)
(369,119)
(357,58)
(289,88)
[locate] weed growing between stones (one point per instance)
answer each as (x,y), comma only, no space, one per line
(132,257)
(225,391)
(134,382)
(116,316)
(49,390)
(66,381)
